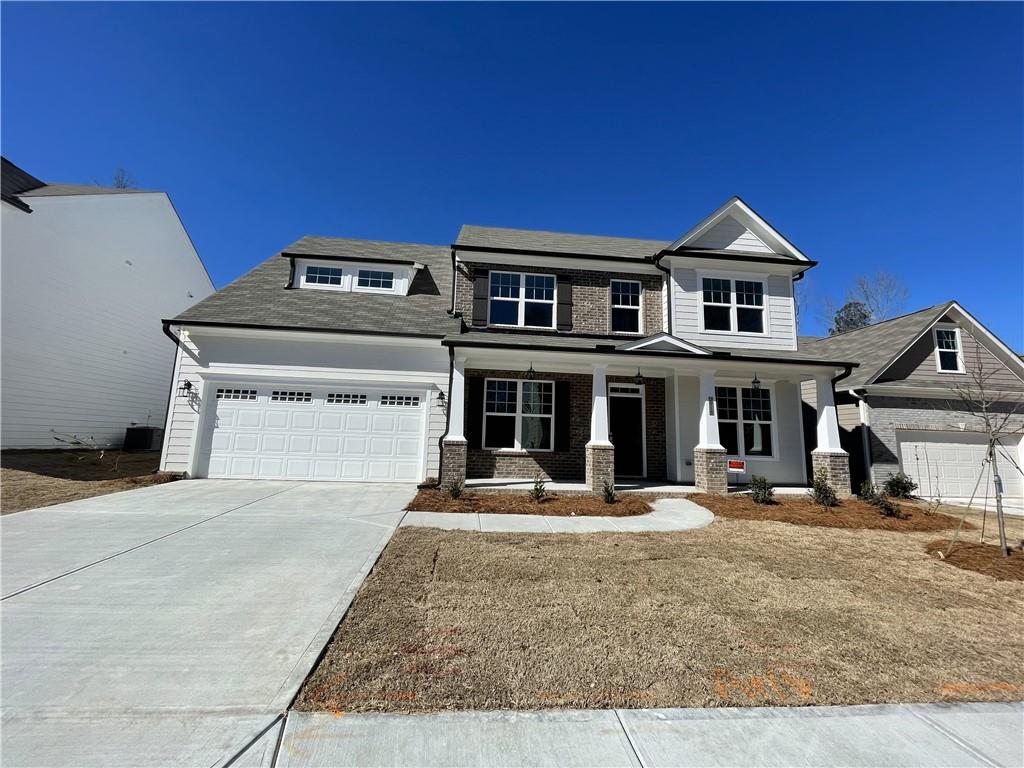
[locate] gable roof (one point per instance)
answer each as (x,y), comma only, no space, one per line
(539,241)
(735,226)
(876,347)
(260,299)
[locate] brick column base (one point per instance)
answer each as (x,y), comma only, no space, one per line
(709,472)
(453,462)
(600,466)
(837,468)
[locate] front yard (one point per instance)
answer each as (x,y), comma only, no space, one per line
(30,479)
(744,612)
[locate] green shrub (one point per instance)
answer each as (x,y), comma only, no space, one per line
(455,488)
(868,491)
(822,492)
(899,486)
(886,506)
(608,493)
(538,491)
(761,491)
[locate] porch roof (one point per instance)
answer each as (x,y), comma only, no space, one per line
(603,345)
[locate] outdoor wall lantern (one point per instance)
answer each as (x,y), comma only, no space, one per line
(530,373)
(185,389)
(638,379)
(755,383)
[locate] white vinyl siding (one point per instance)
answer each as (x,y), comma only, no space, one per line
(731,235)
(687,308)
(85,281)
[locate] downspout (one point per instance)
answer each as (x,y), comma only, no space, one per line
(668,291)
(291,273)
(447,411)
(169,335)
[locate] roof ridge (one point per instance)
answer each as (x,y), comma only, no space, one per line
(570,234)
(887,320)
(366,240)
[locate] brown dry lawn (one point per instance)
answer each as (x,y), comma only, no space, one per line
(432,500)
(30,479)
(740,613)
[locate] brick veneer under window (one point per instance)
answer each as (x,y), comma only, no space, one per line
(591,295)
(569,465)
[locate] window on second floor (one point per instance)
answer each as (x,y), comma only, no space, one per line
(323,275)
(375,279)
(948,351)
(351,277)
(523,299)
(625,306)
(733,306)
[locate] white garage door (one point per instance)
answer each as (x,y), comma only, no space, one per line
(317,433)
(947,464)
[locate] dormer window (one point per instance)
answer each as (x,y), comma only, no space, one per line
(324,275)
(376,280)
(522,299)
(948,351)
(733,306)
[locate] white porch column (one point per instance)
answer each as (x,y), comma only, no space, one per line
(599,407)
(708,412)
(457,402)
(828,419)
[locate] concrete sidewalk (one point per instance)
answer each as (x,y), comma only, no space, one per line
(882,735)
(667,515)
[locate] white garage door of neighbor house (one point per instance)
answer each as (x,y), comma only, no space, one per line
(300,432)
(947,464)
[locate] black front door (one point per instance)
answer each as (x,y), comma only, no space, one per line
(626,424)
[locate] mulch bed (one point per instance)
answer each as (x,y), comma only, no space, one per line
(800,510)
(981,558)
(31,479)
(432,500)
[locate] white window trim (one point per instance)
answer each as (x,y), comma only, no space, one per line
(521,317)
(517,436)
(732,277)
(356,288)
(634,391)
(324,286)
(639,308)
(959,348)
(773,404)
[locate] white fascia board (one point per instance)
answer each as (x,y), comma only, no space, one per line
(722,263)
(666,338)
(907,390)
(748,217)
(273,334)
(554,262)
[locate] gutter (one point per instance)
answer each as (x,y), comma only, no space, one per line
(734,256)
(354,259)
(553,254)
(263,327)
(169,335)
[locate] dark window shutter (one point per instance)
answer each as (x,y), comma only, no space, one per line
(564,318)
(474,425)
(480,290)
(562,414)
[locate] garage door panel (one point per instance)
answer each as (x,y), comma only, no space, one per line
(949,464)
(364,435)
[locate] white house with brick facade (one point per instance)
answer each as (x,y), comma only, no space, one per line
(507,355)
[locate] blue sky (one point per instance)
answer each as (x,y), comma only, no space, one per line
(874,136)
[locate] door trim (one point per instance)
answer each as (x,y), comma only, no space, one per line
(634,391)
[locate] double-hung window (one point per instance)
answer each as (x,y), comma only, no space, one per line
(948,351)
(523,299)
(734,306)
(625,306)
(519,414)
(745,421)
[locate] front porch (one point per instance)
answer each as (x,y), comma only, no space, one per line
(648,421)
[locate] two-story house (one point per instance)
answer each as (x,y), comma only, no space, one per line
(511,354)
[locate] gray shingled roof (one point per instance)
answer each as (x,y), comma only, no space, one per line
(57,190)
(259,297)
(559,242)
(874,346)
(399,253)
(572,343)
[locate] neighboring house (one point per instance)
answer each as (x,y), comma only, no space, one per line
(87,273)
(900,412)
(509,354)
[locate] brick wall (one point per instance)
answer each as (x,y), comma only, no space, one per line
(887,414)
(569,466)
(591,296)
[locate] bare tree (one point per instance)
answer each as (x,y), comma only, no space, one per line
(123,179)
(992,413)
(883,294)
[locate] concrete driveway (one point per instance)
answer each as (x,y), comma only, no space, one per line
(170,625)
